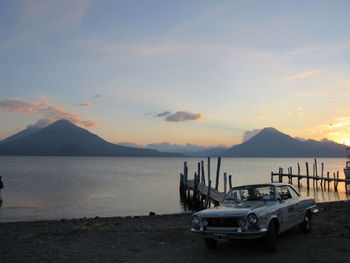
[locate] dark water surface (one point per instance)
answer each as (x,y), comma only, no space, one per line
(38,188)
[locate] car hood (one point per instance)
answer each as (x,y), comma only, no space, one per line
(232,209)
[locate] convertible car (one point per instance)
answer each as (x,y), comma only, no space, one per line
(255,211)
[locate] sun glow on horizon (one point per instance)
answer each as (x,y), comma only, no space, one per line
(345,141)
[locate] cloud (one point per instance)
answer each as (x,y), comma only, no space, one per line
(163,114)
(44,108)
(84,105)
(42,123)
(304,75)
(338,130)
(180,116)
(249,134)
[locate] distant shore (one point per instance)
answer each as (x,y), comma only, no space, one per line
(167,238)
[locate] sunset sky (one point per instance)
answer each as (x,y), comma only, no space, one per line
(202,72)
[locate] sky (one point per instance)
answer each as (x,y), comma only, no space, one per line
(204,72)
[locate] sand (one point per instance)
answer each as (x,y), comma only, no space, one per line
(167,239)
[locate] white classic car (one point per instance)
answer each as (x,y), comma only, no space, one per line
(255,211)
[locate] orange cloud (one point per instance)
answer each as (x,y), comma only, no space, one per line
(85,105)
(304,75)
(49,112)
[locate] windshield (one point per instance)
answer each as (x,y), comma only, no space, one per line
(251,193)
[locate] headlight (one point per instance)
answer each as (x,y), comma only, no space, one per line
(252,219)
(195,220)
(241,222)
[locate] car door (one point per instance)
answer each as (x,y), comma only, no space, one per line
(287,207)
(299,206)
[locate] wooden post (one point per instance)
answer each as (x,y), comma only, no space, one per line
(334,182)
(316,172)
(281,175)
(307,176)
(218,173)
(195,186)
(271,177)
(208,194)
(313,174)
(208,169)
(291,175)
(328,181)
(199,171)
(322,172)
(181,184)
(230,182)
(298,175)
(336,185)
(202,173)
(225,183)
(185,174)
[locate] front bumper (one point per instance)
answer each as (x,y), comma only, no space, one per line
(231,233)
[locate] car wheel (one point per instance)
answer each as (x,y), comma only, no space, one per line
(271,238)
(210,243)
(305,226)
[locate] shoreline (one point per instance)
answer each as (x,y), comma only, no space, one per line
(167,238)
(138,216)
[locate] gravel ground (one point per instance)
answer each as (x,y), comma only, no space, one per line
(168,239)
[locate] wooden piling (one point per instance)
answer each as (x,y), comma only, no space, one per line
(225,183)
(230,181)
(218,174)
(307,176)
(202,173)
(336,186)
(199,170)
(316,172)
(181,184)
(208,169)
(322,171)
(299,176)
(271,177)
(328,181)
(280,175)
(208,194)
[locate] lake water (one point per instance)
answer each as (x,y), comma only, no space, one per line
(38,188)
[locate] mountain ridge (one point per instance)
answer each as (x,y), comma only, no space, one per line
(270,142)
(63,138)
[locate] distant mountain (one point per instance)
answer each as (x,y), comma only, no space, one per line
(270,142)
(66,139)
(187,149)
(210,152)
(21,134)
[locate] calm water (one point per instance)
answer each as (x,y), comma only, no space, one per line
(70,187)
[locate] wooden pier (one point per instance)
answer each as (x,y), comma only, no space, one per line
(322,181)
(200,191)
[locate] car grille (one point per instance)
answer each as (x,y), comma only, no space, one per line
(222,222)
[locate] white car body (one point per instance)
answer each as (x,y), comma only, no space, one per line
(226,221)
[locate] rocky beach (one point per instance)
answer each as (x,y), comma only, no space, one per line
(166,238)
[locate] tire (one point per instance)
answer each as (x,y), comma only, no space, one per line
(305,226)
(210,243)
(271,238)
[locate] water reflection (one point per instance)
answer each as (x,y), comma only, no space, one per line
(40,188)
